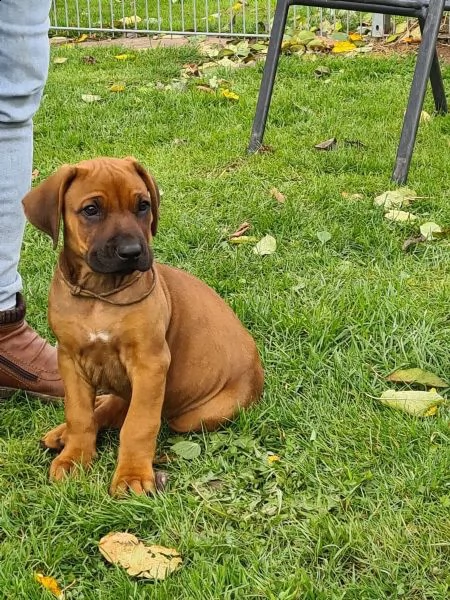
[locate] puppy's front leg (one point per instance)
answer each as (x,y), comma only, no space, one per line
(139,432)
(79,410)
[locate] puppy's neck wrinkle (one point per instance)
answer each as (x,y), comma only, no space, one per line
(120,290)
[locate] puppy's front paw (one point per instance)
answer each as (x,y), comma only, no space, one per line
(56,438)
(63,464)
(138,480)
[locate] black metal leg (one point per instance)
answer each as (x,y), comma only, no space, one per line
(268,79)
(425,57)
(437,85)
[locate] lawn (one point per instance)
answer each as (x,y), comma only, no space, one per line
(357,506)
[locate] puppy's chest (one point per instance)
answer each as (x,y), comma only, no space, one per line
(101,360)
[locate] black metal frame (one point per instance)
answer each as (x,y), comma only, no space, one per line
(428,12)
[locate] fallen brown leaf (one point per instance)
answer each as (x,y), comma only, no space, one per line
(327,144)
(265,149)
(417,375)
(35,174)
(243,228)
(205,88)
(279,197)
(149,562)
(89,60)
(413,241)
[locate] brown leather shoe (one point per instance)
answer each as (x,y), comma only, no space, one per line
(27,362)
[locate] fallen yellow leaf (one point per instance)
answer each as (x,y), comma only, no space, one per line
(150,562)
(117,87)
(83,37)
(419,404)
(122,56)
(342,47)
(226,93)
(400,216)
(355,37)
(50,584)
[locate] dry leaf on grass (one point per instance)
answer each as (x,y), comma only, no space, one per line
(35,174)
(117,87)
(59,60)
(133,20)
(352,196)
(50,584)
(267,245)
(279,197)
(327,144)
(419,404)
(395,198)
(400,216)
(83,37)
(412,241)
(342,47)
(429,229)
(149,562)
(243,239)
(417,375)
(90,98)
(243,228)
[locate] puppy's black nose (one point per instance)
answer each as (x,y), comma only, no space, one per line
(129,251)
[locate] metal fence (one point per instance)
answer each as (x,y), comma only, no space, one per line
(232,18)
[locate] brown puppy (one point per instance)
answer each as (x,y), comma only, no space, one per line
(158,341)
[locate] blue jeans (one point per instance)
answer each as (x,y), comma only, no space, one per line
(24,58)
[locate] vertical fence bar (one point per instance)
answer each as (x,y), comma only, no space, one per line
(183,27)
(147,17)
(170,15)
(158,14)
(89,13)
(100,13)
(194,14)
(66,10)
(123,14)
(111,12)
(77,11)
(206,16)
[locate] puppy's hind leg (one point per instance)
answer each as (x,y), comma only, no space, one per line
(109,413)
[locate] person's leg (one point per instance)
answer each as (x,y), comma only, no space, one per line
(26,361)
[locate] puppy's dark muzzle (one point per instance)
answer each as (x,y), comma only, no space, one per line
(124,256)
(130,251)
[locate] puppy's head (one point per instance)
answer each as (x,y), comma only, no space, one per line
(109,208)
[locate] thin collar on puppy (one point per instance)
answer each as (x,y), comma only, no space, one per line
(77,290)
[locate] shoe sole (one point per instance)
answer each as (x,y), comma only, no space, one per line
(8,392)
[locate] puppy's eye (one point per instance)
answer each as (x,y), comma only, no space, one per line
(91,210)
(143,206)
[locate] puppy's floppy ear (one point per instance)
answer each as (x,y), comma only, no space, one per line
(152,188)
(43,205)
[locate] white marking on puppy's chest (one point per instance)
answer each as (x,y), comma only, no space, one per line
(99,336)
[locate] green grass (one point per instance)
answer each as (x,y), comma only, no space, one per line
(357,508)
